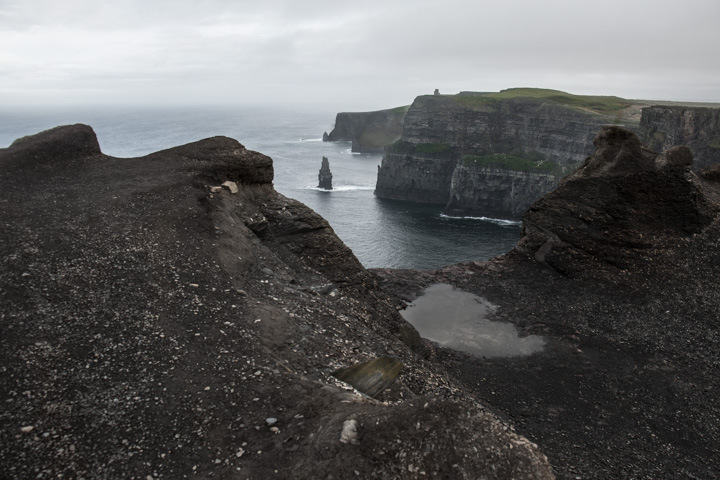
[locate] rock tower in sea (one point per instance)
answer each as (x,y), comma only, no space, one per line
(325,176)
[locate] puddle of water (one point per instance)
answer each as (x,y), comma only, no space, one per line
(458,320)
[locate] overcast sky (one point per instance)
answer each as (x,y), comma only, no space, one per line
(352,55)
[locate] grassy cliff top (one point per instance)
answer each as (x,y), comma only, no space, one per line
(604,105)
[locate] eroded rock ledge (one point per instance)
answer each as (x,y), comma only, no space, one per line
(624,201)
(174,316)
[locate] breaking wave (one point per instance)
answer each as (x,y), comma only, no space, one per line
(498,221)
(342,188)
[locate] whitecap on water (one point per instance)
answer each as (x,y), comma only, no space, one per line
(497,221)
(343,188)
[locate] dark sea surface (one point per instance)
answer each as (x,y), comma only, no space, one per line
(381,233)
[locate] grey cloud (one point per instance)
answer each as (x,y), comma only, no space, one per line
(367,55)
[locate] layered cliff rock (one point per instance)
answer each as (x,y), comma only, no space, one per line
(495,192)
(539,131)
(173,316)
(369,132)
(698,128)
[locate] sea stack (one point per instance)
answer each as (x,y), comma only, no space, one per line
(325,176)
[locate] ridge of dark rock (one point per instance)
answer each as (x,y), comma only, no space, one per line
(64,143)
(174,316)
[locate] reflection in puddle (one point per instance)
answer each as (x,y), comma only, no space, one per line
(458,320)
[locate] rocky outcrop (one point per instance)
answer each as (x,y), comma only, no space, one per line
(174,316)
(62,144)
(369,132)
(325,176)
(441,132)
(624,201)
(617,269)
(662,127)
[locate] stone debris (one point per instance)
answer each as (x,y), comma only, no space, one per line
(232,186)
(349,432)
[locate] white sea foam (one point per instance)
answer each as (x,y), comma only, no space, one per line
(342,188)
(497,221)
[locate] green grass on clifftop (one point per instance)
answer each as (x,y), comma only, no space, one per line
(597,104)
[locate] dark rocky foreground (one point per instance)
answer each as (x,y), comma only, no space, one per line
(618,268)
(156,323)
(173,316)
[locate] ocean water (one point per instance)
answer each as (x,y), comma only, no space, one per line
(381,233)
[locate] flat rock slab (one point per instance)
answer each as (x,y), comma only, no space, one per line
(371,377)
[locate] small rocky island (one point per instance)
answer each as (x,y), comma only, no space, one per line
(325,176)
(174,316)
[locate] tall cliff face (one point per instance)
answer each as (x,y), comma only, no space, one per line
(415,177)
(495,192)
(369,132)
(476,125)
(538,139)
(662,127)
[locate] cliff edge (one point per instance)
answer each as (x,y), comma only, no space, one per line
(174,316)
(369,132)
(493,154)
